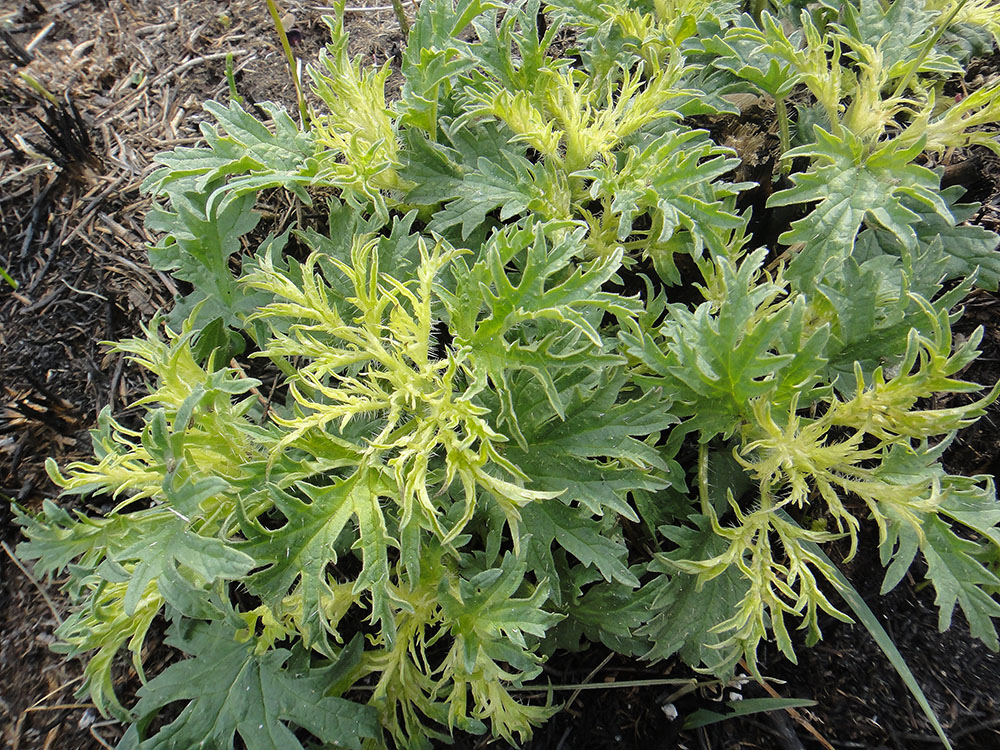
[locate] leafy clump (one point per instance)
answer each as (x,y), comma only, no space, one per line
(483,424)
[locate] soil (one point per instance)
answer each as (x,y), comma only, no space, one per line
(128,80)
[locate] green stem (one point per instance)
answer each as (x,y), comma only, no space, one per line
(616,684)
(928,46)
(234,95)
(784,134)
(404,24)
(655,682)
(290,56)
(706,504)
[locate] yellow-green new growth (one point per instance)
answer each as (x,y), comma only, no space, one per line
(797,465)
(571,119)
(357,138)
(379,364)
(981,13)
(214,441)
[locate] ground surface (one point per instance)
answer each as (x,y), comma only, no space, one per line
(137,72)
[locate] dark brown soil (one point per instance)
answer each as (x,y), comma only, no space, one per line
(73,237)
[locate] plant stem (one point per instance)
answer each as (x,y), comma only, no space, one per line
(234,95)
(928,46)
(784,135)
(610,685)
(706,506)
(404,24)
(290,56)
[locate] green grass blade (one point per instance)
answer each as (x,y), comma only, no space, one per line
(867,618)
(6,277)
(703,717)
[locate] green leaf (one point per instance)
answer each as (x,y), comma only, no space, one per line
(249,152)
(582,537)
(196,248)
(171,553)
(586,13)
(853,186)
(871,316)
(231,691)
(528,283)
(215,338)
(607,612)
(495,635)
(593,454)
(675,179)
(295,556)
(967,249)
(56,539)
(434,58)
(513,50)
(398,250)
(684,614)
(741,53)
(436,170)
(730,350)
(478,173)
(973,503)
(488,621)
(512,188)
(959,578)
(873,23)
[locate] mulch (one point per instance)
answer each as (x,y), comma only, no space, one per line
(90,91)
